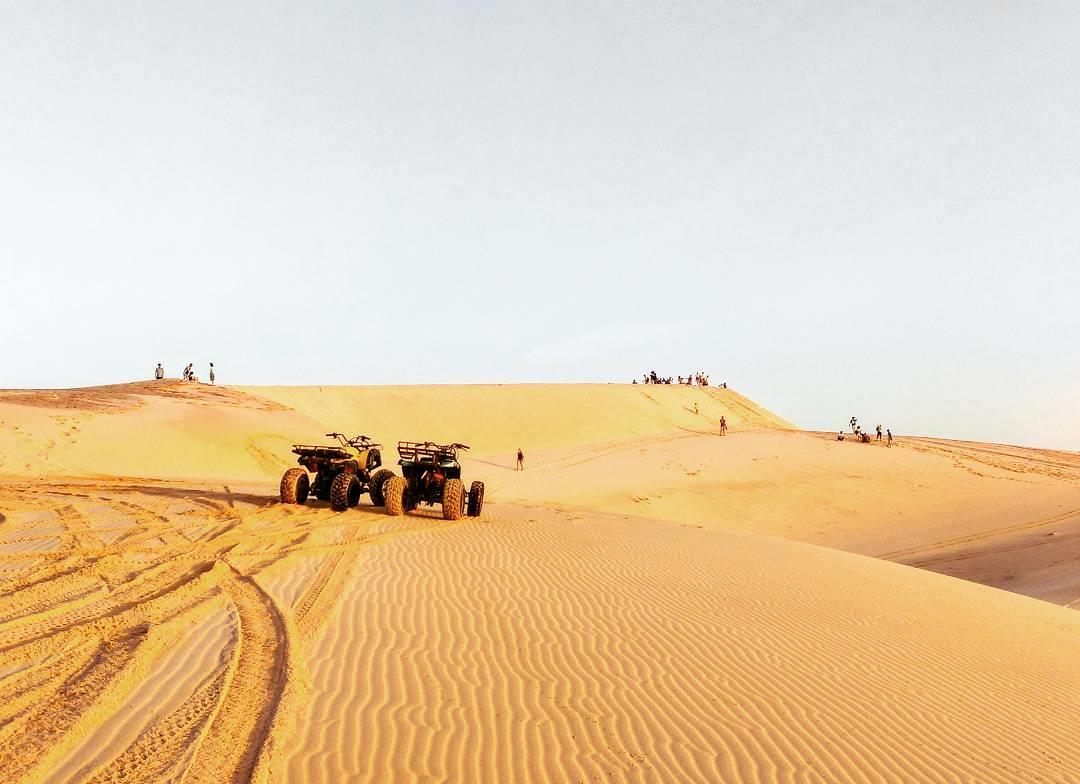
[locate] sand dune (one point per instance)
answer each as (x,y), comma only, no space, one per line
(1003,516)
(581,647)
(617,614)
(175,430)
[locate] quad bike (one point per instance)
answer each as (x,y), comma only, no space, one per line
(431,474)
(342,473)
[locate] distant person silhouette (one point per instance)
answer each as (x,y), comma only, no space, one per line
(159,372)
(520,461)
(723,426)
(212,381)
(890,436)
(879,432)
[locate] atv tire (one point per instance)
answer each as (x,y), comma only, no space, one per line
(476,499)
(375,489)
(294,486)
(394,495)
(344,492)
(453,499)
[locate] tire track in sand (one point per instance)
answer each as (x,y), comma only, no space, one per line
(159,751)
(230,745)
(55,695)
(24,741)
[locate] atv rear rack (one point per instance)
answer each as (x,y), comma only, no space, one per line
(428,452)
(322,452)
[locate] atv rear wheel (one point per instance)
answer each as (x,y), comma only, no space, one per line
(344,492)
(453,499)
(476,499)
(294,486)
(375,489)
(394,495)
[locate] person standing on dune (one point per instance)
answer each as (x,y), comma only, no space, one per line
(159,372)
(723,426)
(520,461)
(879,432)
(890,437)
(212,381)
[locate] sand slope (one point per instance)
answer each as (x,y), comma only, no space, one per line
(500,418)
(561,647)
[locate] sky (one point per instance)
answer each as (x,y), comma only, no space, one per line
(840,209)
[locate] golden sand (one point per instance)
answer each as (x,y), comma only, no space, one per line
(647,601)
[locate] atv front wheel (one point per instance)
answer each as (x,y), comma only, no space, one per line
(394,495)
(294,486)
(453,499)
(378,481)
(344,492)
(476,499)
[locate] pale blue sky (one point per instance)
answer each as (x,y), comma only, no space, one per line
(857,208)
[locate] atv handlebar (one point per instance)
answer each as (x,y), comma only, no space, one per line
(358,442)
(454,445)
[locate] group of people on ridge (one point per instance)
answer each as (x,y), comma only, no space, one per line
(862,435)
(189,373)
(700,379)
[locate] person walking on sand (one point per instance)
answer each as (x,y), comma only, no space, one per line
(212,381)
(723,426)
(890,437)
(520,461)
(159,372)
